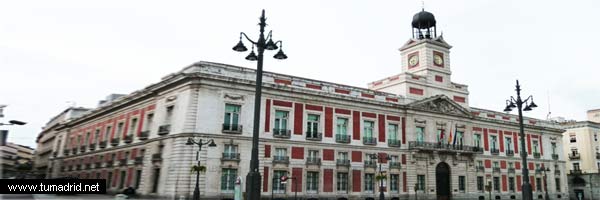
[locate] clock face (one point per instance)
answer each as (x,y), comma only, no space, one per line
(413,60)
(438,60)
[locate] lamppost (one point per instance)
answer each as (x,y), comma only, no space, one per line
(380,160)
(200,143)
(545,169)
(488,187)
(253,177)
(529,104)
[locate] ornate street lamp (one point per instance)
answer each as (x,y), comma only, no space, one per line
(529,104)
(253,178)
(380,159)
(545,169)
(200,143)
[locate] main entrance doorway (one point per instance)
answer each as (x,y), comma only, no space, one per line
(442,181)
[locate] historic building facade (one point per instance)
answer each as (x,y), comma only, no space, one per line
(419,124)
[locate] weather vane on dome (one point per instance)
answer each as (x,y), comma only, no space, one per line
(423,5)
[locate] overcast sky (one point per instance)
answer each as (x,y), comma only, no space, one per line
(53,52)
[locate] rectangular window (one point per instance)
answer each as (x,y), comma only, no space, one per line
(313,154)
(493,141)
(280,153)
(535,146)
(497,184)
(342,182)
(132,126)
(480,183)
(312,126)
(511,184)
(281,120)
(369,182)
(496,164)
(459,139)
(120,129)
(538,184)
(232,116)
(557,183)
(87,138)
(510,165)
(553,148)
(461,183)
(342,155)
(342,126)
(230,150)
(421,182)
(394,182)
(508,144)
(96,136)
(107,133)
(169,114)
(149,121)
(440,135)
(573,138)
(279,187)
(312,182)
(393,131)
(368,129)
(477,140)
(420,134)
(575,166)
(228,178)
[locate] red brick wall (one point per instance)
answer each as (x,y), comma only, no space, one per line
(328,122)
(268,116)
(297,152)
(356,125)
(485,139)
(356,156)
(356,181)
(328,180)
(298,118)
(328,154)
(516,142)
(267,151)
(381,120)
(265,179)
(501,138)
(297,173)
(529,144)
(504,181)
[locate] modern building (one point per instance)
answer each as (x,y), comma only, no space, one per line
(324,135)
(49,140)
(582,148)
(16,160)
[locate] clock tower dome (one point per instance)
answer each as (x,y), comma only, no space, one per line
(425,66)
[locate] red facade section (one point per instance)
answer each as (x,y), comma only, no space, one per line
(532,182)
(125,129)
(439,79)
(311,86)
(404,187)
(140,123)
(391,99)
(501,138)
(503,164)
(519,183)
(368,114)
(504,181)
(282,103)
(267,151)
(403,130)
(268,115)
(392,118)
(488,164)
(342,111)
(129,176)
(529,144)
(416,91)
(342,91)
(265,179)
(516,142)
(297,173)
(328,122)
(381,120)
(328,180)
(382,155)
(298,117)
(133,153)
(297,152)
(517,165)
(541,145)
(314,108)
(367,95)
(530,166)
(356,181)
(356,156)
(485,139)
(356,125)
(328,154)
(403,159)
(282,81)
(459,99)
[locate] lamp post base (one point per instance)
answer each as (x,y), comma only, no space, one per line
(527,192)
(253,186)
(196,195)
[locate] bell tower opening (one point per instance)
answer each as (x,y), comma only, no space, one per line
(423,25)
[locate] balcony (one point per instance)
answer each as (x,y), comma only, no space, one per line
(557,172)
(156,157)
(92,146)
(281,159)
(537,155)
(114,141)
(314,136)
(232,128)
(495,169)
(54,154)
(574,156)
(395,165)
(576,171)
(88,166)
(511,170)
(510,153)
(97,164)
(74,150)
(480,168)
(370,163)
(393,143)
(342,138)
(128,138)
(313,161)
(109,163)
(282,133)
(164,129)
(342,162)
(102,144)
(138,160)
(555,156)
(440,147)
(66,152)
(231,157)
(538,171)
(78,167)
(369,140)
(82,148)
(144,135)
(495,151)
(123,162)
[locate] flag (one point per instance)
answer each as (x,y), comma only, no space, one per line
(450,135)
(455,135)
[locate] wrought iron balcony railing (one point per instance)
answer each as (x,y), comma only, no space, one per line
(109,163)
(557,172)
(164,129)
(66,152)
(494,151)
(395,165)
(123,162)
(231,157)
(144,135)
(342,162)
(435,146)
(510,152)
(114,141)
(128,138)
(82,148)
(370,163)
(574,156)
(496,169)
(537,155)
(511,170)
(92,146)
(369,140)
(342,138)
(281,159)
(156,157)
(102,144)
(480,168)
(232,128)
(313,161)
(138,160)
(314,136)
(538,171)
(576,171)
(282,133)
(555,156)
(393,143)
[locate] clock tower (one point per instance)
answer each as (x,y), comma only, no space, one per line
(426,68)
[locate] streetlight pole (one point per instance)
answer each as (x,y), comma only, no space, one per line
(200,143)
(253,177)
(379,159)
(518,103)
(546,169)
